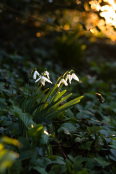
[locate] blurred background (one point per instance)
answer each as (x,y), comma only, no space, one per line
(74,34)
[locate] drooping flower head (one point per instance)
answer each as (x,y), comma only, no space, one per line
(74,76)
(44,77)
(68,76)
(41,78)
(62,81)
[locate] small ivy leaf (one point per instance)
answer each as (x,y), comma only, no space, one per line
(113,144)
(67,128)
(112,155)
(102,162)
(39,169)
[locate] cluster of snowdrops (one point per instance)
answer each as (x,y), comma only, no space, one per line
(44,77)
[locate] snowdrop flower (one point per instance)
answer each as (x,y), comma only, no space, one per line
(43,80)
(63,81)
(35,74)
(74,76)
(47,74)
(69,77)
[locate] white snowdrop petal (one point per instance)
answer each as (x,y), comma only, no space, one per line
(63,81)
(43,82)
(70,78)
(38,79)
(75,77)
(47,80)
(35,74)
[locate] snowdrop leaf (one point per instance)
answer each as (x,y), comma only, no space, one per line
(59,95)
(64,107)
(69,104)
(49,93)
(62,100)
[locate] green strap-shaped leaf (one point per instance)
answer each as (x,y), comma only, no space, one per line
(30,101)
(62,100)
(59,95)
(41,115)
(69,104)
(49,93)
(40,94)
(64,107)
(52,106)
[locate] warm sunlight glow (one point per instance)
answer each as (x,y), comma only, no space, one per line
(45,132)
(66,27)
(75,19)
(92,31)
(107,11)
(32,125)
(38,34)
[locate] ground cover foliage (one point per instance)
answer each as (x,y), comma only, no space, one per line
(50,129)
(80,139)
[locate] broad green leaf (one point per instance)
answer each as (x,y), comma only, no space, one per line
(25,118)
(42,162)
(112,155)
(113,143)
(102,162)
(39,169)
(57,159)
(67,128)
(57,168)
